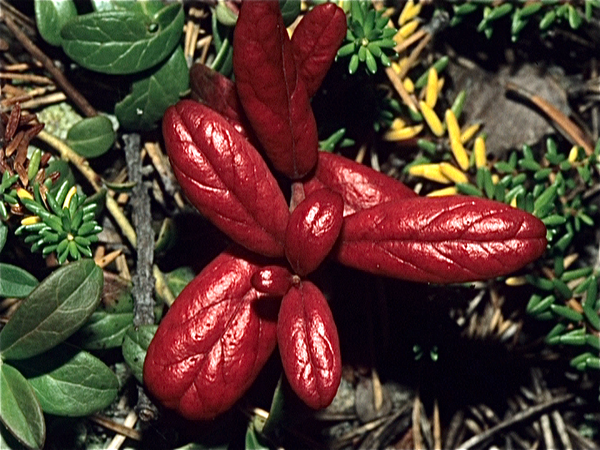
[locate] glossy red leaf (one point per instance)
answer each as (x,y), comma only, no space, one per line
(441,240)
(360,186)
(273,280)
(309,345)
(219,93)
(313,229)
(271,92)
(225,177)
(214,340)
(316,40)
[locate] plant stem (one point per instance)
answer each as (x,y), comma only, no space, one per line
(58,76)
(143,280)
(82,165)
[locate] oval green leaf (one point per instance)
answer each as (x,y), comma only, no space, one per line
(61,167)
(3,235)
(15,282)
(20,411)
(179,278)
(290,9)
(70,382)
(135,346)
(107,326)
(55,309)
(51,16)
(91,137)
(122,42)
(152,95)
(148,7)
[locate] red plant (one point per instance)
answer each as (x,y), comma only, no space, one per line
(221,329)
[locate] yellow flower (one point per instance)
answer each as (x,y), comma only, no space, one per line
(403,133)
(432,119)
(431,92)
(469,132)
(410,11)
(479,149)
(432,172)
(443,192)
(69,196)
(23,193)
(30,220)
(452,173)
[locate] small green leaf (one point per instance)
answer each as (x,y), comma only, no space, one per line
(179,278)
(439,66)
(20,411)
(290,9)
(553,336)
(547,20)
(104,330)
(225,15)
(107,326)
(465,8)
(370,60)
(51,16)
(91,137)
(148,7)
(535,308)
(65,174)
(252,441)
(154,93)
(574,18)
(53,311)
(135,346)
(15,282)
(499,11)
(3,236)
(277,410)
(70,382)
(166,235)
(353,65)
(122,42)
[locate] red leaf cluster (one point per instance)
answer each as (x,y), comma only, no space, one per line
(221,329)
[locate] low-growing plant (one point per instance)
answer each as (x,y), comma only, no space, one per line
(223,326)
(39,373)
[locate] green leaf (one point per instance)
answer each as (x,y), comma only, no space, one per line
(8,441)
(225,15)
(122,42)
(135,346)
(179,278)
(107,326)
(91,137)
(166,235)
(289,10)
(51,16)
(252,440)
(3,236)
(15,282)
(61,167)
(277,410)
(70,382)
(20,411)
(152,95)
(53,311)
(148,7)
